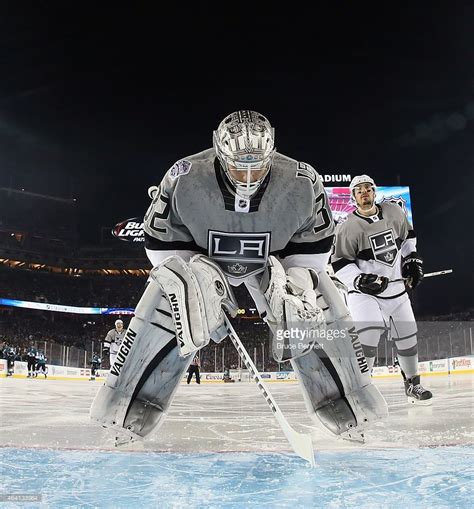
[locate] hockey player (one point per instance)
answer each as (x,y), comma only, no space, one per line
(239,212)
(113,340)
(96,362)
(375,257)
(41,364)
(10,355)
(31,360)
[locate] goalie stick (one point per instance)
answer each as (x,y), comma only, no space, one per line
(300,442)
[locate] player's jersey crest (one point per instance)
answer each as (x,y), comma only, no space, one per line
(384,247)
(180,168)
(239,254)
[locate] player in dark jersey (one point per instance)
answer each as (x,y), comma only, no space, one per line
(375,257)
(31,359)
(10,355)
(41,367)
(96,362)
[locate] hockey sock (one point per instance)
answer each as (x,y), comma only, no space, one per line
(409,364)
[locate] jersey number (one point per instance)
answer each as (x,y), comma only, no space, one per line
(326,218)
(160,215)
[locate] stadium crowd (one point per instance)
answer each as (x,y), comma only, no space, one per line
(84,290)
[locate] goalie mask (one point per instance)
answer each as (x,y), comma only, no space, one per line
(245,145)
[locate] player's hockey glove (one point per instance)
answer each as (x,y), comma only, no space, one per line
(370,283)
(106,350)
(412,269)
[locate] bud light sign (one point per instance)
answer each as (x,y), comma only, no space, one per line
(130,230)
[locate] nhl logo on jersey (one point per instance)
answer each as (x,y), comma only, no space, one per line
(384,247)
(180,168)
(239,254)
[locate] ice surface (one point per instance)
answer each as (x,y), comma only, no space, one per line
(409,478)
(221,447)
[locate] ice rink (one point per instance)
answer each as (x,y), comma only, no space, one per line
(222,447)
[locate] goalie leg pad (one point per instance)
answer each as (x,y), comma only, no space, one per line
(146,373)
(334,376)
(197,291)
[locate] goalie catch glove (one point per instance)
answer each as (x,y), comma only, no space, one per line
(412,269)
(371,284)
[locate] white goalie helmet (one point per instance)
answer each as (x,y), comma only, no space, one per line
(361,179)
(245,141)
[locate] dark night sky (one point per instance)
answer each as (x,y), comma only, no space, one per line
(99,103)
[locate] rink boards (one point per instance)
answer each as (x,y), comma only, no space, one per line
(440,367)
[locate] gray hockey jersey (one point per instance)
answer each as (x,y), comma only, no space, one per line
(374,245)
(113,339)
(195,210)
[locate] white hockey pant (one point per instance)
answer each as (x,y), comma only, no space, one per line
(372,316)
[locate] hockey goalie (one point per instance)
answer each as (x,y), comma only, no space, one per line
(239,213)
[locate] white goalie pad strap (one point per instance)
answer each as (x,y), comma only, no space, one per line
(196,291)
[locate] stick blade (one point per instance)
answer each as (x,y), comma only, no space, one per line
(302,445)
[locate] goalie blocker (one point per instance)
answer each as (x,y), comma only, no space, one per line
(179,311)
(312,327)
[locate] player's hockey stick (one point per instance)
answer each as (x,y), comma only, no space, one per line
(439,273)
(430,274)
(300,442)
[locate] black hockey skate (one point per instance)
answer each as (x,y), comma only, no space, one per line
(416,393)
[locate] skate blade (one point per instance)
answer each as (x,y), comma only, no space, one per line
(420,402)
(353,436)
(123,441)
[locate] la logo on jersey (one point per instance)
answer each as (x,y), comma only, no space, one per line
(239,254)
(384,247)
